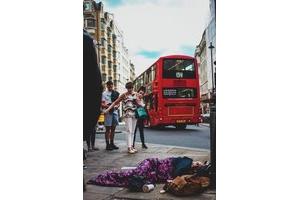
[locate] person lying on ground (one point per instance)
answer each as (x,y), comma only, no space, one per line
(153,169)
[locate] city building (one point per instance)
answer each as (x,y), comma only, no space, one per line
(91,16)
(205,54)
(113,56)
(132,72)
(122,60)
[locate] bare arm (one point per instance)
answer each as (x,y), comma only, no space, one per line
(115,103)
(104,105)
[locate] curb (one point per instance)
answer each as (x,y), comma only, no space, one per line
(165,146)
(204,124)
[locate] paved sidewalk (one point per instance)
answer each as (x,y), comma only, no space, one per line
(102,160)
(205,124)
(120,128)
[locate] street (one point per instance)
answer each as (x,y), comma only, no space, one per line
(191,137)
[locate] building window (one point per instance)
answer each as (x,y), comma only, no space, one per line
(104,77)
(103,42)
(103,59)
(87,6)
(90,23)
(109,48)
(102,25)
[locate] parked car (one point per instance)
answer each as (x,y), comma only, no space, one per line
(100,123)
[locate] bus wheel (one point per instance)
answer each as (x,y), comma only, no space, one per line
(181,126)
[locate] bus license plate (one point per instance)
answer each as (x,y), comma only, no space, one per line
(180,121)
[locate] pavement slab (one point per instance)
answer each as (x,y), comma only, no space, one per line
(102,160)
(156,195)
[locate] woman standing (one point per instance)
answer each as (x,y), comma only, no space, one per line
(140,122)
(130,104)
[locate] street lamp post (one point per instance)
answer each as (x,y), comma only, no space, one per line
(212,125)
(211,47)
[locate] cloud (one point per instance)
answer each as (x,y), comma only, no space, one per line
(149,54)
(162,26)
(188,50)
(141,63)
(113,3)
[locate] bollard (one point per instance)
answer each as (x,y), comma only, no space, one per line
(213,145)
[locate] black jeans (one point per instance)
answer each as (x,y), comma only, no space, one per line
(90,139)
(140,125)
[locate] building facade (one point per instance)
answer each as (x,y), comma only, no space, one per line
(205,54)
(132,72)
(122,59)
(112,54)
(91,16)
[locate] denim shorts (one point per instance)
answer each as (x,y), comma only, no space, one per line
(111,119)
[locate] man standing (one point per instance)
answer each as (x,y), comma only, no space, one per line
(111,118)
(92,91)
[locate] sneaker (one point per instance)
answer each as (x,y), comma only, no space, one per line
(130,150)
(134,150)
(144,146)
(90,150)
(95,149)
(114,146)
(109,147)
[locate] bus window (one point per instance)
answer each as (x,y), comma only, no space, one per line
(149,89)
(178,68)
(142,80)
(153,72)
(148,75)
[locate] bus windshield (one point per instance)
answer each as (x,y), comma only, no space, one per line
(178,68)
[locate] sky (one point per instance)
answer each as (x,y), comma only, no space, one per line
(155,28)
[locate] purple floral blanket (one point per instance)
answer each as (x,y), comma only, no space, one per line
(153,169)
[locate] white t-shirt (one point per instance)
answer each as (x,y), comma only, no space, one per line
(106,97)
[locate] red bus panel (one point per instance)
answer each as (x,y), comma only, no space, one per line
(173,94)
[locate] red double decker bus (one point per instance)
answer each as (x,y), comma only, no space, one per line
(172,91)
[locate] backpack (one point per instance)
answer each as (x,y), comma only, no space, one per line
(114,96)
(187,185)
(135,183)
